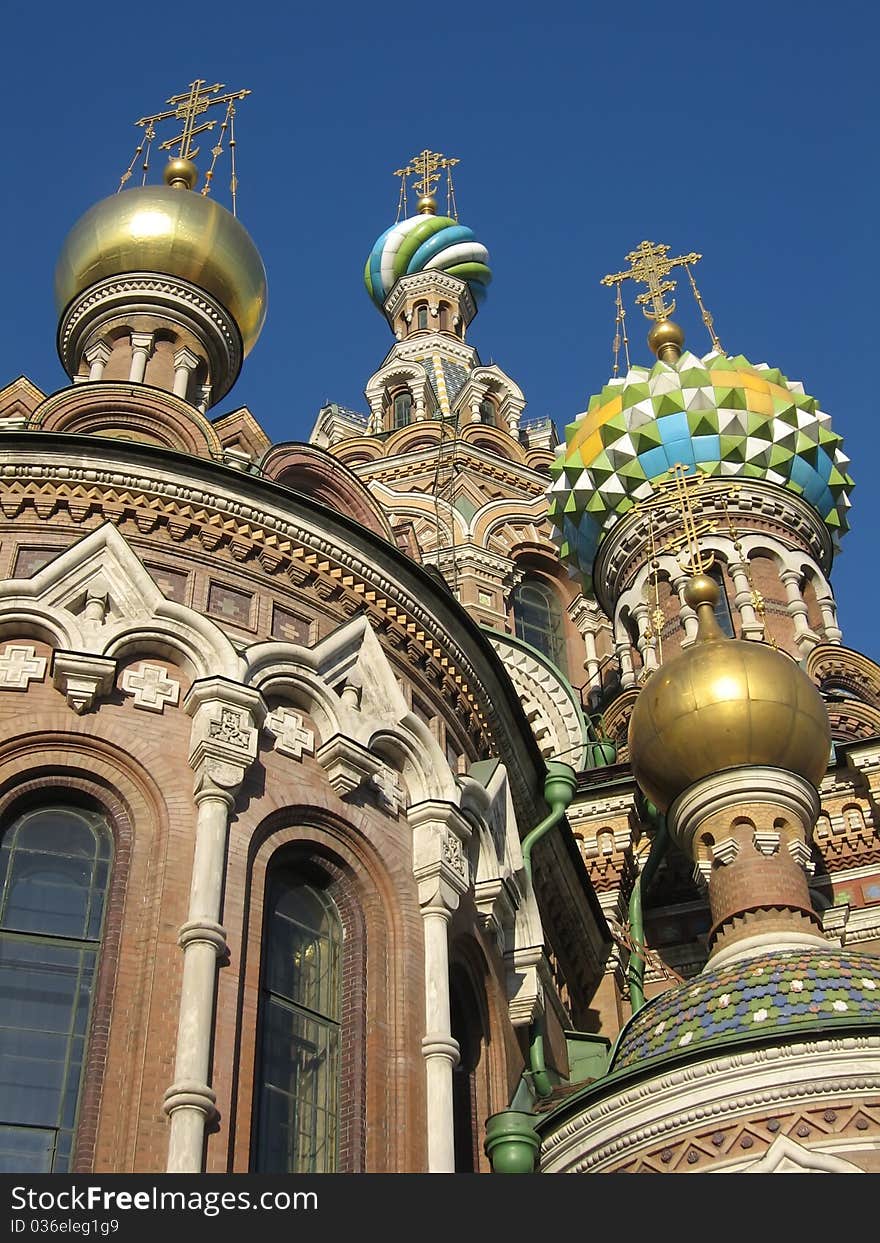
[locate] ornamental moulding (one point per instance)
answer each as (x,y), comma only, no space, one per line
(730,1086)
(135,496)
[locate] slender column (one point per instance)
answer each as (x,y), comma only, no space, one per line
(440,868)
(185,363)
(647,648)
(141,349)
(833,633)
(752,626)
(475,410)
(97,356)
(625,660)
(797,608)
(687,614)
(591,664)
(224,745)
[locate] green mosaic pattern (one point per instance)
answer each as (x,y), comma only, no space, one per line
(725,416)
(772,995)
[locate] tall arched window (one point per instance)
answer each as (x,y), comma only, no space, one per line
(402,409)
(537,617)
(54,868)
(722,608)
(444,317)
(297,1104)
(422,316)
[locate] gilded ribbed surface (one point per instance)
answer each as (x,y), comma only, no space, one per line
(174,232)
(720,704)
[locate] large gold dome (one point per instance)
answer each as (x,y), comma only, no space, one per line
(721,704)
(172,231)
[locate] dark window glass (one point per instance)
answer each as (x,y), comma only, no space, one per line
(300,1004)
(402,409)
(488,413)
(722,608)
(422,317)
(54,866)
(538,620)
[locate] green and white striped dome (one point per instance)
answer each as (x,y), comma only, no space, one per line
(726,416)
(422,243)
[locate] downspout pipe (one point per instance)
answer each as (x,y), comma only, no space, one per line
(560,784)
(637,962)
(512,1144)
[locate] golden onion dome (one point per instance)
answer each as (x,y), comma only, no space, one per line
(173,231)
(723,703)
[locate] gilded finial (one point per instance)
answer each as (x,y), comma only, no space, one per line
(187,107)
(426,168)
(650,264)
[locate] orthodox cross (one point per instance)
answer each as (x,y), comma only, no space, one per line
(426,168)
(650,265)
(187,107)
(682,492)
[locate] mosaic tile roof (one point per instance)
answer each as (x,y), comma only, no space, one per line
(724,415)
(771,996)
(420,243)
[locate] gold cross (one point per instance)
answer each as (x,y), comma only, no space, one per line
(650,265)
(187,107)
(682,491)
(427,164)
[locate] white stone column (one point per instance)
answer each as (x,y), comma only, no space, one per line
(185,363)
(687,614)
(624,659)
(441,870)
(647,647)
(752,626)
(141,349)
(797,609)
(226,719)
(833,633)
(97,356)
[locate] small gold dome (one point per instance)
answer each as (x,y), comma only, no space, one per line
(724,703)
(666,335)
(172,231)
(427,205)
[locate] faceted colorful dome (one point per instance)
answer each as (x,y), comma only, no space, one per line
(426,242)
(725,415)
(775,995)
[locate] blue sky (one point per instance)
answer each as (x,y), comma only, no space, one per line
(747,132)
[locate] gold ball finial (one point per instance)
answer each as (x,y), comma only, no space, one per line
(181,174)
(666,340)
(702,590)
(427,205)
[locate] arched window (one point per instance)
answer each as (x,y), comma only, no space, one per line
(537,617)
(722,608)
(54,868)
(444,316)
(402,409)
(297,1101)
(488,412)
(421,316)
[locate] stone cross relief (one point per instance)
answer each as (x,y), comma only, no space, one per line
(291,735)
(389,789)
(19,666)
(151,687)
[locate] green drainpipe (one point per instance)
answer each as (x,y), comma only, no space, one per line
(636,969)
(512,1143)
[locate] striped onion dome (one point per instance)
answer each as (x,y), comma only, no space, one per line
(425,243)
(726,416)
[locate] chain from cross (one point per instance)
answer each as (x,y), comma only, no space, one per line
(427,165)
(650,265)
(188,106)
